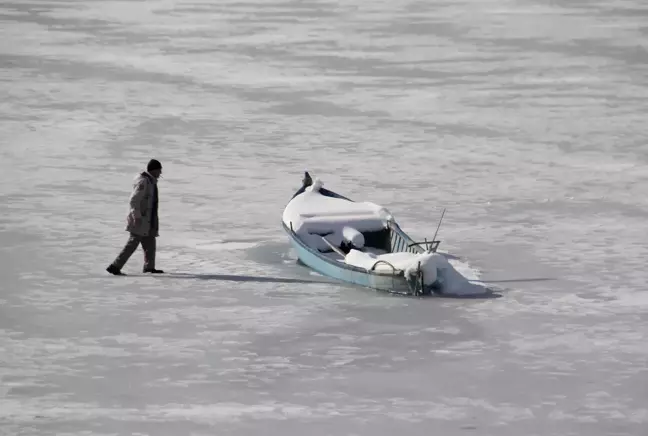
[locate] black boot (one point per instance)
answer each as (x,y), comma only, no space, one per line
(112,269)
(153,271)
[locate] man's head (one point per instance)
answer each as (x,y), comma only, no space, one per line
(154,168)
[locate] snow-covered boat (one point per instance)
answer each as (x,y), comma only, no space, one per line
(360,243)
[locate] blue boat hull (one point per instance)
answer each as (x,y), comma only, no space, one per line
(347,273)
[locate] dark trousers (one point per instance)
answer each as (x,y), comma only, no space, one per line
(148,246)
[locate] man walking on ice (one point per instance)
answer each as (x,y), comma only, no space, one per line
(142,220)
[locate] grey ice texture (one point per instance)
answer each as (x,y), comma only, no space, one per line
(526,119)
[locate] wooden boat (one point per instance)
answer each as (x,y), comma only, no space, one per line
(359,243)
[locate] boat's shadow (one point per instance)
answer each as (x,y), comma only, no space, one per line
(241,278)
(488,294)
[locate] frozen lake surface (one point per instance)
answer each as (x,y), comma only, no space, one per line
(525,119)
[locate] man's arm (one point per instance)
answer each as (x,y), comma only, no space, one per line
(136,198)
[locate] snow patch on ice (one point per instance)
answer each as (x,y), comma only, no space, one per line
(210,245)
(225,246)
(454,280)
